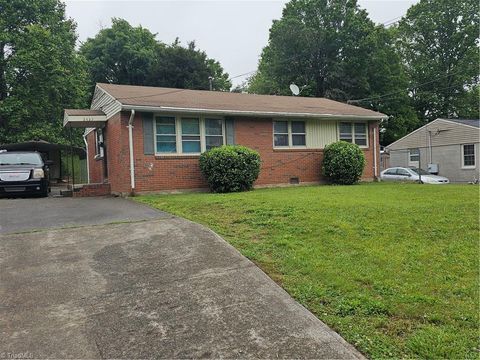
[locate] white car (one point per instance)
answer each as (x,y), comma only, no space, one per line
(409,174)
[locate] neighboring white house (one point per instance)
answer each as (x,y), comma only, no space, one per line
(447,147)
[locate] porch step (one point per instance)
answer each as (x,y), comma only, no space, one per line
(87,190)
(65,193)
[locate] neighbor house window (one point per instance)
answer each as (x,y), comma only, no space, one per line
(413,157)
(166,134)
(289,133)
(468,151)
(187,135)
(355,133)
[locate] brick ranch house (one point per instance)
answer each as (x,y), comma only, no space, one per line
(146,139)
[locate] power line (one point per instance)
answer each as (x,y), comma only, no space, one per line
(180,90)
(237,76)
(392,21)
(444,88)
(401,91)
(386,23)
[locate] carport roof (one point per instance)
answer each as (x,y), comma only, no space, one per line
(41,146)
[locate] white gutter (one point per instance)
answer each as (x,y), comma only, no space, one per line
(252,113)
(88,160)
(130,148)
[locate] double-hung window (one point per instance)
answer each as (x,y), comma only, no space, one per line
(360,134)
(468,156)
(355,133)
(187,135)
(213,133)
(298,133)
(191,135)
(166,134)
(289,134)
(413,157)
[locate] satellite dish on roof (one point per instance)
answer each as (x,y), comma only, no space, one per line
(294,89)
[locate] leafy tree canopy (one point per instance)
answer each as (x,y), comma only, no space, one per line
(336,51)
(123,54)
(439,42)
(40,72)
(187,68)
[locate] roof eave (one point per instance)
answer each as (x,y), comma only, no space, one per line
(226,112)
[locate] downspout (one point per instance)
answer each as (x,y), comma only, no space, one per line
(88,160)
(130,148)
(375,152)
(430,147)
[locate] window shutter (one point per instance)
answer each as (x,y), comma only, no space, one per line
(229,131)
(148,140)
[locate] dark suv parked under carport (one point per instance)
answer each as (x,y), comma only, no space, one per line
(23,173)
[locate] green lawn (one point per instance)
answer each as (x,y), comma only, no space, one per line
(394,268)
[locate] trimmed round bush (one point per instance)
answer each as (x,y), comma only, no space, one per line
(230,168)
(343,163)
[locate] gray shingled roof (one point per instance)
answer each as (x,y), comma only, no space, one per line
(471,122)
(228,102)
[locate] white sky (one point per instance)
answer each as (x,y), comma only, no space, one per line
(233,32)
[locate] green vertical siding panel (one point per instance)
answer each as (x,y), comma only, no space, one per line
(320,133)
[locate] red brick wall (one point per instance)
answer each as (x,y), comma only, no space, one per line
(118,160)
(88,190)
(279,166)
(159,173)
(116,145)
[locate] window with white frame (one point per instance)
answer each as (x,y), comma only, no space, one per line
(354,132)
(289,133)
(468,155)
(213,133)
(166,134)
(99,152)
(298,133)
(413,157)
(187,134)
(190,135)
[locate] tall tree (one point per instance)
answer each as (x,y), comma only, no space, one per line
(40,72)
(439,42)
(336,51)
(187,67)
(123,54)
(388,90)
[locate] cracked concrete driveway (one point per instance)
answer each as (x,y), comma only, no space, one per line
(154,287)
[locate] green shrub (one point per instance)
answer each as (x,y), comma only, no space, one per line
(343,163)
(230,168)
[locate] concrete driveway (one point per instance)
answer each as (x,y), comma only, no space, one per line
(148,285)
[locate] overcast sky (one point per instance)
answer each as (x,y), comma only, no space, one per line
(232,32)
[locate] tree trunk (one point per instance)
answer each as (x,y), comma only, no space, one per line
(3,80)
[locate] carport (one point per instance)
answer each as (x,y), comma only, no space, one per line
(58,153)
